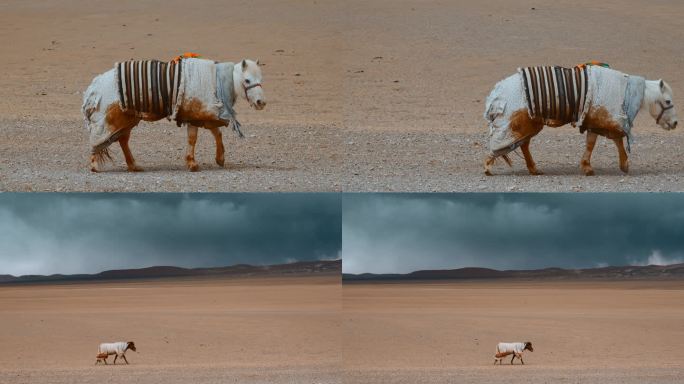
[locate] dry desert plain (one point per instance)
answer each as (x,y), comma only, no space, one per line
(240,330)
(382,95)
(582,332)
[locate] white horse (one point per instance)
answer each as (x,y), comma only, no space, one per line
(512,126)
(108,121)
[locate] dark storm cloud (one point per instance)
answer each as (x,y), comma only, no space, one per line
(385,233)
(86,233)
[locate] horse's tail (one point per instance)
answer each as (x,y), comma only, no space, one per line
(100,151)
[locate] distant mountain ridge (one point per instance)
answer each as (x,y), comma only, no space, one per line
(674,271)
(238,270)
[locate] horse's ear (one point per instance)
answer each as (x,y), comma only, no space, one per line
(662,85)
(258,63)
(244,64)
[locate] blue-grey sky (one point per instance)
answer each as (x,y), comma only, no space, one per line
(87,233)
(400,233)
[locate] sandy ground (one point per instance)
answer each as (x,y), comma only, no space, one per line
(210,331)
(58,47)
(436,61)
(383,95)
(612,332)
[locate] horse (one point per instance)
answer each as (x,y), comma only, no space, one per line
(599,100)
(193,92)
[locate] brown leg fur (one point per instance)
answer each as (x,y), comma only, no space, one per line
(585,163)
(522,127)
(116,120)
(190,154)
(488,163)
(94,163)
(531,166)
(220,150)
(130,161)
(624,162)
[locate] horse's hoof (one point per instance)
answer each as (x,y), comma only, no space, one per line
(94,170)
(625,168)
(135,169)
(193,168)
(489,173)
(221,162)
(589,172)
(536,172)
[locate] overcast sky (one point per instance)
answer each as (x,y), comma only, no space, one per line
(88,233)
(384,233)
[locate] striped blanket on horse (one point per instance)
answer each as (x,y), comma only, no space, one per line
(149,86)
(556,94)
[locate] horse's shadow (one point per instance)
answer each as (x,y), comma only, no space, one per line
(205,168)
(569,170)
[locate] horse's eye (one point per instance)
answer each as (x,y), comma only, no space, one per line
(247,81)
(668,102)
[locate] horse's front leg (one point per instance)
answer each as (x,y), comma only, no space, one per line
(624,162)
(488,163)
(220,150)
(531,166)
(130,161)
(190,153)
(585,163)
(512,358)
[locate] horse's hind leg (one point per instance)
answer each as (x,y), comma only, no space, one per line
(220,150)
(624,162)
(585,163)
(531,166)
(130,161)
(190,154)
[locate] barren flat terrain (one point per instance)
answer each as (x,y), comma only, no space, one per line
(258,330)
(363,96)
(589,332)
(420,72)
(58,47)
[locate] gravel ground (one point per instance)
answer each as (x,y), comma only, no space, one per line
(527,374)
(367,96)
(323,158)
(427,162)
(172,375)
(271,158)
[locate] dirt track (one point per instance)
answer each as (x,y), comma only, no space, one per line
(369,96)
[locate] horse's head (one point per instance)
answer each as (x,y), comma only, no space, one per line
(528,346)
(661,105)
(131,345)
(250,80)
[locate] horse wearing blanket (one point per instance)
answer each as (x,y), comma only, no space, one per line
(598,100)
(191,91)
(515,349)
(117,349)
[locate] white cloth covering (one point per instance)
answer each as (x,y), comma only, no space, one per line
(607,88)
(118,348)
